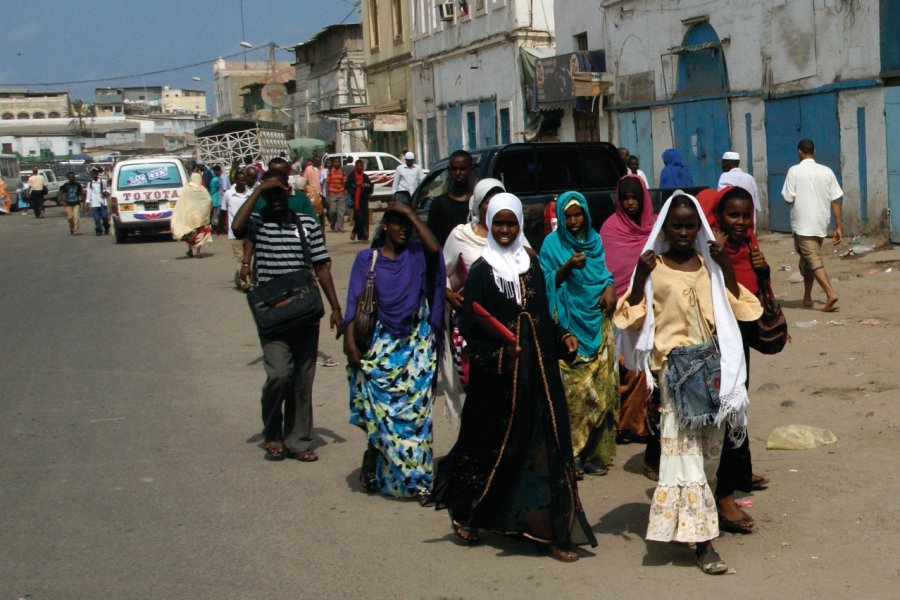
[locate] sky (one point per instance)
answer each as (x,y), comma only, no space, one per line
(77,40)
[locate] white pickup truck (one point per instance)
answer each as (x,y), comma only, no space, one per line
(53,184)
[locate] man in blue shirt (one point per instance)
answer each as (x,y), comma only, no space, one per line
(72,193)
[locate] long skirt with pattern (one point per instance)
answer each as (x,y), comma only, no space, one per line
(391,399)
(683,507)
(592,396)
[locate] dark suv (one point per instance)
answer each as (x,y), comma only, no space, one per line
(538,172)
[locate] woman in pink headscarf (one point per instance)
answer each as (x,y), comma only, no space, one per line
(624,235)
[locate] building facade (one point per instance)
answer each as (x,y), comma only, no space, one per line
(707,77)
(331,81)
(231,77)
(23,104)
(387,50)
(470,78)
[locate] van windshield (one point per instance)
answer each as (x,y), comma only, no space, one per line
(149,175)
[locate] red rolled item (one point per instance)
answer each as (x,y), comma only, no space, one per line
(492,326)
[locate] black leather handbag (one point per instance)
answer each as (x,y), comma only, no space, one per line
(366,304)
(288,301)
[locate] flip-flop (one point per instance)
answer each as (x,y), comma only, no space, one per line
(743,526)
(710,562)
(468,535)
(758,482)
(651,473)
(595,469)
(305,456)
(830,306)
(274,450)
(562,555)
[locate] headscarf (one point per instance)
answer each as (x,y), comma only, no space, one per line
(481,190)
(624,238)
(637,347)
(674,174)
(192,209)
(509,262)
(740,255)
(574,302)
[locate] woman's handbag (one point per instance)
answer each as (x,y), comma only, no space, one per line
(366,304)
(288,301)
(771,328)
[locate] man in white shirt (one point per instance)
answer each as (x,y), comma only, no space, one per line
(407,178)
(732,175)
(36,186)
(813,192)
(232,200)
(96,192)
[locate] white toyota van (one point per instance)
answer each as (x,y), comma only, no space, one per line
(143,193)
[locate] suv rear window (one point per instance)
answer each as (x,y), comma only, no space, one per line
(389,163)
(149,175)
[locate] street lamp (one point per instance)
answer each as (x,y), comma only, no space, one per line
(247,45)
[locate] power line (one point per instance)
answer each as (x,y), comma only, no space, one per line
(119,77)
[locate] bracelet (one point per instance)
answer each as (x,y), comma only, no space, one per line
(243,264)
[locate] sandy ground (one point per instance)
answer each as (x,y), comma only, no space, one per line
(158,489)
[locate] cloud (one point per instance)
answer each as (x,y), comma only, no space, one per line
(25,31)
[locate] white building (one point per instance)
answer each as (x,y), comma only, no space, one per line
(331,80)
(469,88)
(756,77)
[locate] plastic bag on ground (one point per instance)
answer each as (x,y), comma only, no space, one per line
(799,437)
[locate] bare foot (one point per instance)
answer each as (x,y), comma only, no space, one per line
(807,303)
(830,305)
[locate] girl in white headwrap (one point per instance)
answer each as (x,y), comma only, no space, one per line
(512,468)
(463,247)
(690,341)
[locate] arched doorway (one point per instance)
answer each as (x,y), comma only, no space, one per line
(701,115)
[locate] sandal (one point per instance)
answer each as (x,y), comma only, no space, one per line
(709,560)
(595,469)
(744,525)
(424,498)
(562,555)
(651,473)
(274,450)
(468,535)
(758,483)
(367,474)
(305,456)
(579,471)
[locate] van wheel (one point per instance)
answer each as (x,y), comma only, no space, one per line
(121,235)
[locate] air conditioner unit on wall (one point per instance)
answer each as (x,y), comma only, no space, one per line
(446,9)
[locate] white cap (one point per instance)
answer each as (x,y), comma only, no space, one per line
(731,156)
(409,156)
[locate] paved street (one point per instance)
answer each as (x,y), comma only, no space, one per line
(131,463)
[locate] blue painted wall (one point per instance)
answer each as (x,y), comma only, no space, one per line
(635,131)
(454,129)
(789,120)
(702,130)
(892,123)
(701,137)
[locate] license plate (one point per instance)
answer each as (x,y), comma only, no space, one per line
(151,206)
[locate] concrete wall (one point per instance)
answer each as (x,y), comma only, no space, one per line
(771,49)
(32,145)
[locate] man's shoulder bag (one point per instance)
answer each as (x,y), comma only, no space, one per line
(288,301)
(366,305)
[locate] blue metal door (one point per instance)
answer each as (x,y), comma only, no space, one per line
(431,138)
(487,123)
(701,136)
(892,119)
(454,129)
(788,121)
(636,134)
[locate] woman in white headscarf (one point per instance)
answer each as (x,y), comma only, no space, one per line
(512,468)
(463,247)
(678,321)
(190,219)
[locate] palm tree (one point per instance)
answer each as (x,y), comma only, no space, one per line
(79,110)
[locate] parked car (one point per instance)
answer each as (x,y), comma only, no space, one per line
(380,167)
(537,173)
(53,184)
(143,193)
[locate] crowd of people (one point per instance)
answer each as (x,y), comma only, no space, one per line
(638,330)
